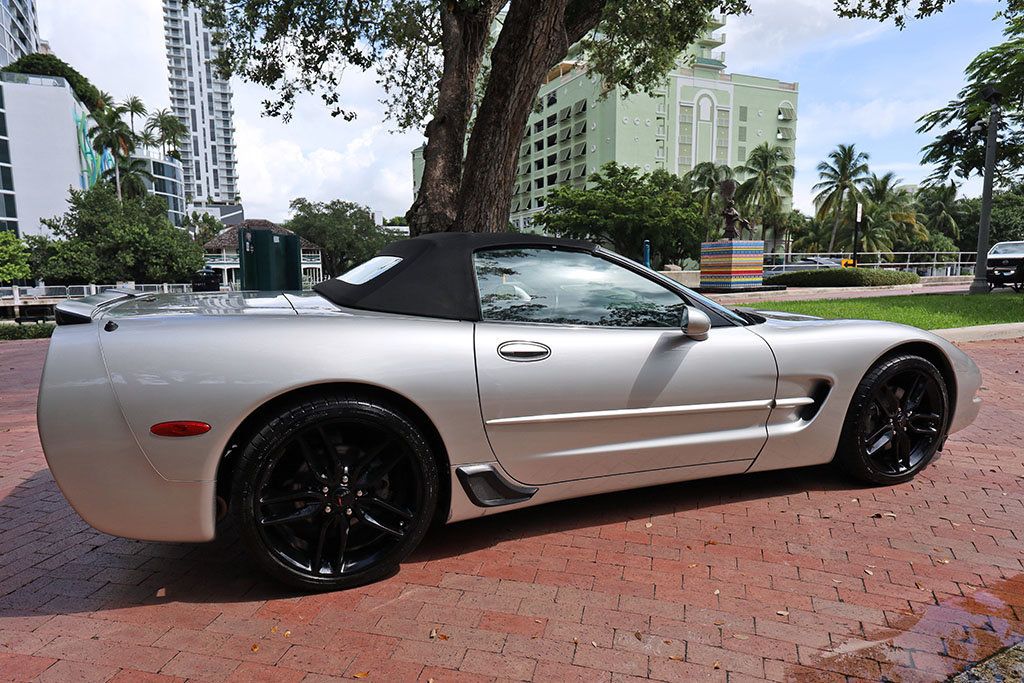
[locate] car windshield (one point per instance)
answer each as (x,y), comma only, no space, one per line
(1008,248)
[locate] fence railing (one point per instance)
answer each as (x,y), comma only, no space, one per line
(79,291)
(948,263)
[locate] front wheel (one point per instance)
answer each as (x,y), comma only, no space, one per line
(896,421)
(335,492)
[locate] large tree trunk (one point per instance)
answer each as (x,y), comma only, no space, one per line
(536,34)
(463,37)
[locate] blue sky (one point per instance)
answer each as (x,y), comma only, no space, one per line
(860,82)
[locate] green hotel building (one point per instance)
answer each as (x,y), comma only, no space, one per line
(699,113)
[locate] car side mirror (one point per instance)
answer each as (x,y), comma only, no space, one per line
(695,323)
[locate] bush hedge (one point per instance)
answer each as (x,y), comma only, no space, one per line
(30,331)
(844,277)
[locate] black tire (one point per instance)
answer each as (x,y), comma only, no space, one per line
(334,492)
(896,422)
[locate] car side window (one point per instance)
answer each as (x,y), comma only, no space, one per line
(536,285)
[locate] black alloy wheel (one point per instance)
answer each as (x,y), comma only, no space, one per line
(897,421)
(335,492)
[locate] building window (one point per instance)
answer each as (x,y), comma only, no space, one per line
(10,208)
(216,179)
(6,178)
(213,153)
(743,113)
(743,133)
(195,125)
(195,144)
(5,152)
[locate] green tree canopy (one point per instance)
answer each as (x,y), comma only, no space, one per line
(102,240)
(1007,218)
(14,255)
(623,207)
(49,65)
(469,160)
(959,148)
(202,226)
(345,232)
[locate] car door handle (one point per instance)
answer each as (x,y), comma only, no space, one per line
(523,351)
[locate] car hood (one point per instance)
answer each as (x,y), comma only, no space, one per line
(780,315)
(219,303)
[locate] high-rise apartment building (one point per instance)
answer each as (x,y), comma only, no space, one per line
(19,30)
(699,113)
(202,101)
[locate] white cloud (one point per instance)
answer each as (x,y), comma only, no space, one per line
(119,45)
(777,32)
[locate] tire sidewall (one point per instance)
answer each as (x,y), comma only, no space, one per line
(852,454)
(284,426)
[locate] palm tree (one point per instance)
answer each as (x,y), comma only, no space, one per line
(147,139)
(769,177)
(812,238)
(939,205)
(706,177)
(111,132)
(168,128)
(841,176)
(133,106)
(104,100)
(891,215)
(133,174)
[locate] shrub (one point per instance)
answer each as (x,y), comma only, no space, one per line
(844,277)
(38,64)
(31,331)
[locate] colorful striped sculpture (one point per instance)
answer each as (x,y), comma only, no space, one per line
(735,264)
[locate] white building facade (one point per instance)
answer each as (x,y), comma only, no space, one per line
(202,101)
(19,30)
(165,181)
(44,150)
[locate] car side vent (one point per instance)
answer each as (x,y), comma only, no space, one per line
(487,488)
(819,392)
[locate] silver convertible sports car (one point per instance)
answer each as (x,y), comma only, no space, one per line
(459,375)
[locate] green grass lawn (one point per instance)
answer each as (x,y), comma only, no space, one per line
(927,311)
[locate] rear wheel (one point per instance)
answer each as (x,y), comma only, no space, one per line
(335,492)
(896,421)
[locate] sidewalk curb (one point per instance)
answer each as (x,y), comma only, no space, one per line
(982,332)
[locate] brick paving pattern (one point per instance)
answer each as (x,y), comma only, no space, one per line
(782,576)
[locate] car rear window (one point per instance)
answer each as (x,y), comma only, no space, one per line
(365,272)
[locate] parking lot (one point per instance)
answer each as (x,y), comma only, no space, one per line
(783,576)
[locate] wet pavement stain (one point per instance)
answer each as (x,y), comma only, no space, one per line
(939,642)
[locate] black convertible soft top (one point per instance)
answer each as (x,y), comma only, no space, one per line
(435,277)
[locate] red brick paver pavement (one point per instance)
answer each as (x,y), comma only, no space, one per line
(785,576)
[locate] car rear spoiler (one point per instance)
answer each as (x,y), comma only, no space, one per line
(78,311)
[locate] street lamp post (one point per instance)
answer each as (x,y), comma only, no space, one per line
(857,230)
(980,284)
